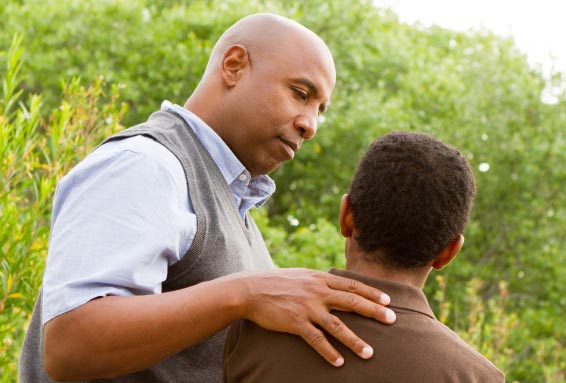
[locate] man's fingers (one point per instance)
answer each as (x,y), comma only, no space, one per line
(357,287)
(316,339)
(335,327)
(344,301)
(360,298)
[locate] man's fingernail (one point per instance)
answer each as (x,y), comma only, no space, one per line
(367,352)
(390,316)
(339,362)
(385,299)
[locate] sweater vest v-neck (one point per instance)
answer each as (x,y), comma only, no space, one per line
(224,243)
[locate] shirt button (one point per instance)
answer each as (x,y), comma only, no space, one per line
(243,177)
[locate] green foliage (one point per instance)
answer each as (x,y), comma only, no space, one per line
(35,154)
(316,246)
(156,50)
(504,294)
(493,330)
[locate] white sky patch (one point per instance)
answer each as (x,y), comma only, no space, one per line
(537,27)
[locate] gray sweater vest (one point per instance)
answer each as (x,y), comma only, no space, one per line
(223,244)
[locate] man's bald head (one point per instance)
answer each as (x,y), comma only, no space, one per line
(265,34)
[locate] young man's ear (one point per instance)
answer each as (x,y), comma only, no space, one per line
(234,60)
(449,252)
(346,218)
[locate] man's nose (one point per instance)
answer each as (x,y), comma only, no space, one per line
(307,126)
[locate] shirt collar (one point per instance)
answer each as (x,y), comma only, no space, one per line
(233,171)
(402,296)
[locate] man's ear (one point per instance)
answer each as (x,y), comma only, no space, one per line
(234,60)
(346,218)
(449,252)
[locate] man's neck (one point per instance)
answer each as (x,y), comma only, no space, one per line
(416,277)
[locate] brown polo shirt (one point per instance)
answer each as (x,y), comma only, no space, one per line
(416,348)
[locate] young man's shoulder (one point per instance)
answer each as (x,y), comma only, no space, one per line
(413,344)
(468,362)
(421,351)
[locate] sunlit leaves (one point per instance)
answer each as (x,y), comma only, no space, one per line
(36,153)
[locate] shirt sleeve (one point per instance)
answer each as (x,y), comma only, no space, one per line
(120,219)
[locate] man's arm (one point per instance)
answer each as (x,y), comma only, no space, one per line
(113,336)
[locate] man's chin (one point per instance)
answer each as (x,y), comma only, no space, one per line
(269,169)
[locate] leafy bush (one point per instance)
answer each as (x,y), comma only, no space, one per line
(155,51)
(35,154)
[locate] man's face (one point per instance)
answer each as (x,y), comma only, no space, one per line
(278,101)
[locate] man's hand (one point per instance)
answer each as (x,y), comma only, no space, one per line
(298,301)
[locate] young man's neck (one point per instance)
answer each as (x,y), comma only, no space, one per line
(413,277)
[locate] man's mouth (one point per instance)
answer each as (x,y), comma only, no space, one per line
(290,146)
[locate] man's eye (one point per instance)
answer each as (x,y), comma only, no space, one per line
(300,94)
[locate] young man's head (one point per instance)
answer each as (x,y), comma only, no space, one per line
(408,204)
(267,80)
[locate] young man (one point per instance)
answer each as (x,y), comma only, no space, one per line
(407,209)
(152,250)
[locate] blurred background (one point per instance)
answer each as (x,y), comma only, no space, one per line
(73,72)
(537,28)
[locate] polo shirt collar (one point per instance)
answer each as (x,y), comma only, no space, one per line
(402,296)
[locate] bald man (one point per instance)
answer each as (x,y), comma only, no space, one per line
(152,250)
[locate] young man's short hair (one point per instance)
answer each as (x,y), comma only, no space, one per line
(411,196)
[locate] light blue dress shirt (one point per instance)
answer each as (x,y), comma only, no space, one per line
(122,216)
